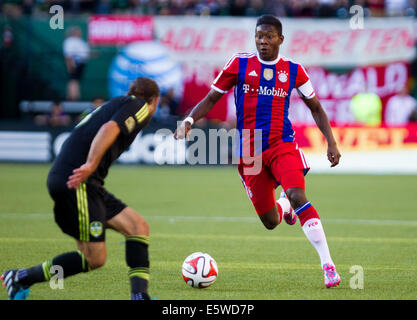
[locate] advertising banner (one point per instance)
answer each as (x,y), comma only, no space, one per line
(359,139)
(364,150)
(312,42)
(119,29)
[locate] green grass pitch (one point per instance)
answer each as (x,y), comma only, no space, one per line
(370,221)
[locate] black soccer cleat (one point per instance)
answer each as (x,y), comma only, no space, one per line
(15,290)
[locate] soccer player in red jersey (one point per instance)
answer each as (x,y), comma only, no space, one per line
(263,82)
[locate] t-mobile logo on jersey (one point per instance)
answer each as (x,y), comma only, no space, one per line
(265,91)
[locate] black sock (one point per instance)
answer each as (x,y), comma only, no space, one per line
(138,260)
(71,262)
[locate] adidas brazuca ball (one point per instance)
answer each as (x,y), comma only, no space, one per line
(199,270)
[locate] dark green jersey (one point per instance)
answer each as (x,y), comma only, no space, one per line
(130,113)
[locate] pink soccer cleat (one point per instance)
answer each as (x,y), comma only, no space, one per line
(331,277)
(290,217)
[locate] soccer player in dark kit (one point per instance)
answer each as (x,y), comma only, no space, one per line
(263,82)
(83,208)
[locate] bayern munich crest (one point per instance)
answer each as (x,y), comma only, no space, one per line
(282,76)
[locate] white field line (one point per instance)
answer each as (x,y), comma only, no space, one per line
(173,219)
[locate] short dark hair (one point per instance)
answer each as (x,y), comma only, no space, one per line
(271,20)
(144,88)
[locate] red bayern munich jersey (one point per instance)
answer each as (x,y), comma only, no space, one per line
(262,94)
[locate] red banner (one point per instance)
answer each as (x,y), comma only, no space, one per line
(116,30)
(359,138)
(336,90)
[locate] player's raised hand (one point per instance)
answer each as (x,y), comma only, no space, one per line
(79,176)
(183,130)
(333,155)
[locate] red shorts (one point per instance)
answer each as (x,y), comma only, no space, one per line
(284,165)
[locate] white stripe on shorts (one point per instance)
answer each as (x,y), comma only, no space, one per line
(303,159)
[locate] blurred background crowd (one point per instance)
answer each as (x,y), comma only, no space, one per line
(289,8)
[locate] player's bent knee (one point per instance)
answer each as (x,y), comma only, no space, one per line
(138,227)
(270,225)
(143,227)
(137,224)
(129,223)
(270,219)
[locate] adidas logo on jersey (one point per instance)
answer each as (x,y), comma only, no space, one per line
(253,73)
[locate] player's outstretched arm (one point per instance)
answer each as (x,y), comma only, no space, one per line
(104,138)
(322,122)
(198,112)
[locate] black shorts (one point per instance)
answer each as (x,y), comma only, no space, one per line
(83,213)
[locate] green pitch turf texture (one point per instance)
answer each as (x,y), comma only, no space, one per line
(370,221)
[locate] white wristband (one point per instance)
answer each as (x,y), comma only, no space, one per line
(189,119)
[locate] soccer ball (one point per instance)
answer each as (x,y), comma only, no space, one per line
(199,270)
